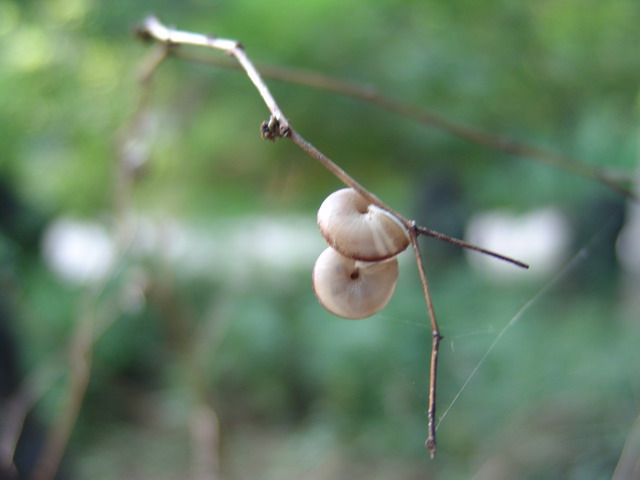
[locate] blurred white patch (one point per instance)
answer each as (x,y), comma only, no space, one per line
(281,244)
(78,251)
(243,249)
(539,238)
(163,238)
(253,248)
(628,243)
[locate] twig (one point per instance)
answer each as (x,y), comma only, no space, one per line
(430,444)
(152,28)
(14,416)
(628,466)
(461,243)
(614,179)
(188,340)
(204,430)
(279,127)
(132,151)
(80,361)
(45,376)
(42,379)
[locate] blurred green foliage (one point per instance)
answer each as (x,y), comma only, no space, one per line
(299,393)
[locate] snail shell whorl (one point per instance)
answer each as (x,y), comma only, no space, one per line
(353,289)
(358,229)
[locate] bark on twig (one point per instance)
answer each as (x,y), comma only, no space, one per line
(619,181)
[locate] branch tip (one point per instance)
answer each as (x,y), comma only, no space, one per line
(430,445)
(142,33)
(461,243)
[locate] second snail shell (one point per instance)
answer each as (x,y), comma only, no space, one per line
(353,289)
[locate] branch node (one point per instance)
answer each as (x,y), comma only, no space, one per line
(273,129)
(266,132)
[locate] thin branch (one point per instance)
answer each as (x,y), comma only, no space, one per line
(461,243)
(152,28)
(88,331)
(80,364)
(40,381)
(15,413)
(341,174)
(90,327)
(279,127)
(204,429)
(430,444)
(628,466)
(132,143)
(614,179)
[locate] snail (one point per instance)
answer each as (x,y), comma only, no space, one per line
(356,276)
(358,229)
(352,288)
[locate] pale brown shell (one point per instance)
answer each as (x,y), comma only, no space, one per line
(353,289)
(358,229)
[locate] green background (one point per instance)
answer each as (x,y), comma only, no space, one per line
(219,322)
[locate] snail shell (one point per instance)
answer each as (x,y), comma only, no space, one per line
(353,289)
(358,229)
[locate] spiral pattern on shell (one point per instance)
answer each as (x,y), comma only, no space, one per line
(358,229)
